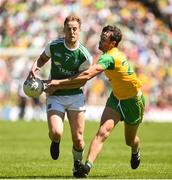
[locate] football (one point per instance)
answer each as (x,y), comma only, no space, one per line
(33,87)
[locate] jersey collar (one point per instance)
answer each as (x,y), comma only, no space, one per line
(71,49)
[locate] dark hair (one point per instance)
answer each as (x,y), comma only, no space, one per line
(72,17)
(116,34)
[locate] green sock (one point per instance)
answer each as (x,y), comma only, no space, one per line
(77,155)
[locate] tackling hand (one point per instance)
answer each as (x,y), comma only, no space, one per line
(50,86)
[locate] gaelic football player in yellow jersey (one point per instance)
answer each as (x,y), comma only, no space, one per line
(126,102)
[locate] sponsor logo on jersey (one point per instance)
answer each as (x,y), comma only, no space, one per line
(66,72)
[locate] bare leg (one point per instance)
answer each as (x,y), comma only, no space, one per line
(131,137)
(108,121)
(55,124)
(77,125)
(133,141)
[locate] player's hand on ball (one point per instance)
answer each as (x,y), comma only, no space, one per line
(32,74)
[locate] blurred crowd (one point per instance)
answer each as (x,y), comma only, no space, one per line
(26,27)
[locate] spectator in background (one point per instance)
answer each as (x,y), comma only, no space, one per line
(22,102)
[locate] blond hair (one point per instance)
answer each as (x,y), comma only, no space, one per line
(72,17)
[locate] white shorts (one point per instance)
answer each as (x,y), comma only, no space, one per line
(63,103)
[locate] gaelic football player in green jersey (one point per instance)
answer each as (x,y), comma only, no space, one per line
(68,57)
(126,101)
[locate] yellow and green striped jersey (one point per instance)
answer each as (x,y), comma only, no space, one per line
(122,77)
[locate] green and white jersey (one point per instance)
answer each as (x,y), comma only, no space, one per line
(67,62)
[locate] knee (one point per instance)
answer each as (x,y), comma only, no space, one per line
(129,142)
(55,134)
(132,141)
(78,141)
(103,133)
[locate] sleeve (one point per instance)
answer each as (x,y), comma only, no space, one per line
(47,50)
(106,61)
(85,65)
(88,60)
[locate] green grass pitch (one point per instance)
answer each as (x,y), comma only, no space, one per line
(24,152)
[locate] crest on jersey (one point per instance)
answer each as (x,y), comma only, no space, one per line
(57,54)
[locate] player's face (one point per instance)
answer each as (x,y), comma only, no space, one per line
(72,30)
(105,43)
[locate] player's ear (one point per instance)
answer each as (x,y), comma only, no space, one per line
(113,43)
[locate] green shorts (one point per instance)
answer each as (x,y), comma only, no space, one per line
(131,110)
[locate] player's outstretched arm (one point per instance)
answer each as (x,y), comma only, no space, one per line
(51,88)
(85,75)
(74,81)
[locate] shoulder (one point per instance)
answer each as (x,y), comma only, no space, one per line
(117,54)
(83,49)
(106,57)
(85,53)
(107,61)
(52,44)
(57,41)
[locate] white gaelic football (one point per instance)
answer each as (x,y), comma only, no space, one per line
(33,87)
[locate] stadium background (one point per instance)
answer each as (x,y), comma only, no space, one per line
(26,26)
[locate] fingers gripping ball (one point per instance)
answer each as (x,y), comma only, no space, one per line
(33,87)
